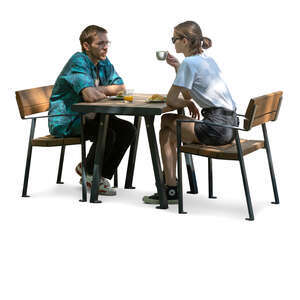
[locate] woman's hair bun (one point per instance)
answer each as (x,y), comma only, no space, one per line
(206,42)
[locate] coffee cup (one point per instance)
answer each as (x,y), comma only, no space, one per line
(161,55)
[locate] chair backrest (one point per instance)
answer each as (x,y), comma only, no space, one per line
(34,100)
(262,109)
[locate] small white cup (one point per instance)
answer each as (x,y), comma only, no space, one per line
(161,55)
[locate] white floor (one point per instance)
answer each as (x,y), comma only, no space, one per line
(55,247)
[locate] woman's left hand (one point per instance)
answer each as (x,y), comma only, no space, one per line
(194,112)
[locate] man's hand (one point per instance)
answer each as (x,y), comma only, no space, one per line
(194,112)
(172,61)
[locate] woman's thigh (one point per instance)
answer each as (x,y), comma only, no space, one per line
(187,128)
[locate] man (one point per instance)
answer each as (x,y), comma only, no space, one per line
(89,76)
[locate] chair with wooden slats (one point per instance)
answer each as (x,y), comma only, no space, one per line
(33,101)
(260,111)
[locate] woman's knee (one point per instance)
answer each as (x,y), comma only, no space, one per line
(167,120)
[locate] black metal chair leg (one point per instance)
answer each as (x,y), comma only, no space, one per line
(179,170)
(267,146)
(100,148)
(244,175)
(61,163)
(191,174)
(210,179)
(28,160)
(116,179)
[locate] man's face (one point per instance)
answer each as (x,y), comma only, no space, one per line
(97,50)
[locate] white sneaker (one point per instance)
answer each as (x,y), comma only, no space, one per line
(104,189)
(103,180)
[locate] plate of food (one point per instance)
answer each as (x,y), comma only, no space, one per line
(156,98)
(119,96)
(116,98)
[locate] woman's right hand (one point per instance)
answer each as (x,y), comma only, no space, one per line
(172,61)
(193,109)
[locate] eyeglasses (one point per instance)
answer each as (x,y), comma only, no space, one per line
(174,39)
(102,44)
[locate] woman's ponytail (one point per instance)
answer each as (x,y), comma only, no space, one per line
(206,42)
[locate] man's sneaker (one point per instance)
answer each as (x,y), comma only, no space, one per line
(172,196)
(78,170)
(104,189)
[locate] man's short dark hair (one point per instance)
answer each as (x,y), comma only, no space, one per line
(87,35)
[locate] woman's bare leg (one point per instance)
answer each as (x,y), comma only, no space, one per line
(168,152)
(168,143)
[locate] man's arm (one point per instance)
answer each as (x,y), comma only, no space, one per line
(93,94)
(111,90)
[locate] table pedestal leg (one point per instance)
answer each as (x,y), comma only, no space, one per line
(100,148)
(83,160)
(156,162)
(132,154)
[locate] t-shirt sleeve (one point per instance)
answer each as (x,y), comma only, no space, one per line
(185,76)
(79,77)
(114,77)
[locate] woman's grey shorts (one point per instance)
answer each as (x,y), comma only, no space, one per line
(216,135)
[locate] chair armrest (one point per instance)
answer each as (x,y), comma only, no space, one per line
(50,116)
(210,123)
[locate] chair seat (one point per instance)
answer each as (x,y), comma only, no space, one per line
(228,151)
(50,140)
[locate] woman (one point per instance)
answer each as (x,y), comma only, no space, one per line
(199,78)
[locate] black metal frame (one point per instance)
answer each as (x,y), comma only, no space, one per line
(148,114)
(241,161)
(29,153)
(149,120)
(61,159)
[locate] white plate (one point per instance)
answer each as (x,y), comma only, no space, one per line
(115,98)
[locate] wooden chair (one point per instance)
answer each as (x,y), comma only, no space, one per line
(260,111)
(33,101)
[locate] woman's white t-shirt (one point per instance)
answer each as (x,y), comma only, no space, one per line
(203,78)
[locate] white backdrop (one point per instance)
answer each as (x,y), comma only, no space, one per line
(54,247)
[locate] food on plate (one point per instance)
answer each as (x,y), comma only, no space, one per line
(120,94)
(157,97)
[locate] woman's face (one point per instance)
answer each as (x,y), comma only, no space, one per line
(180,42)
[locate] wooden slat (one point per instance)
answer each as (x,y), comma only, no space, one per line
(52,141)
(262,109)
(228,151)
(34,100)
